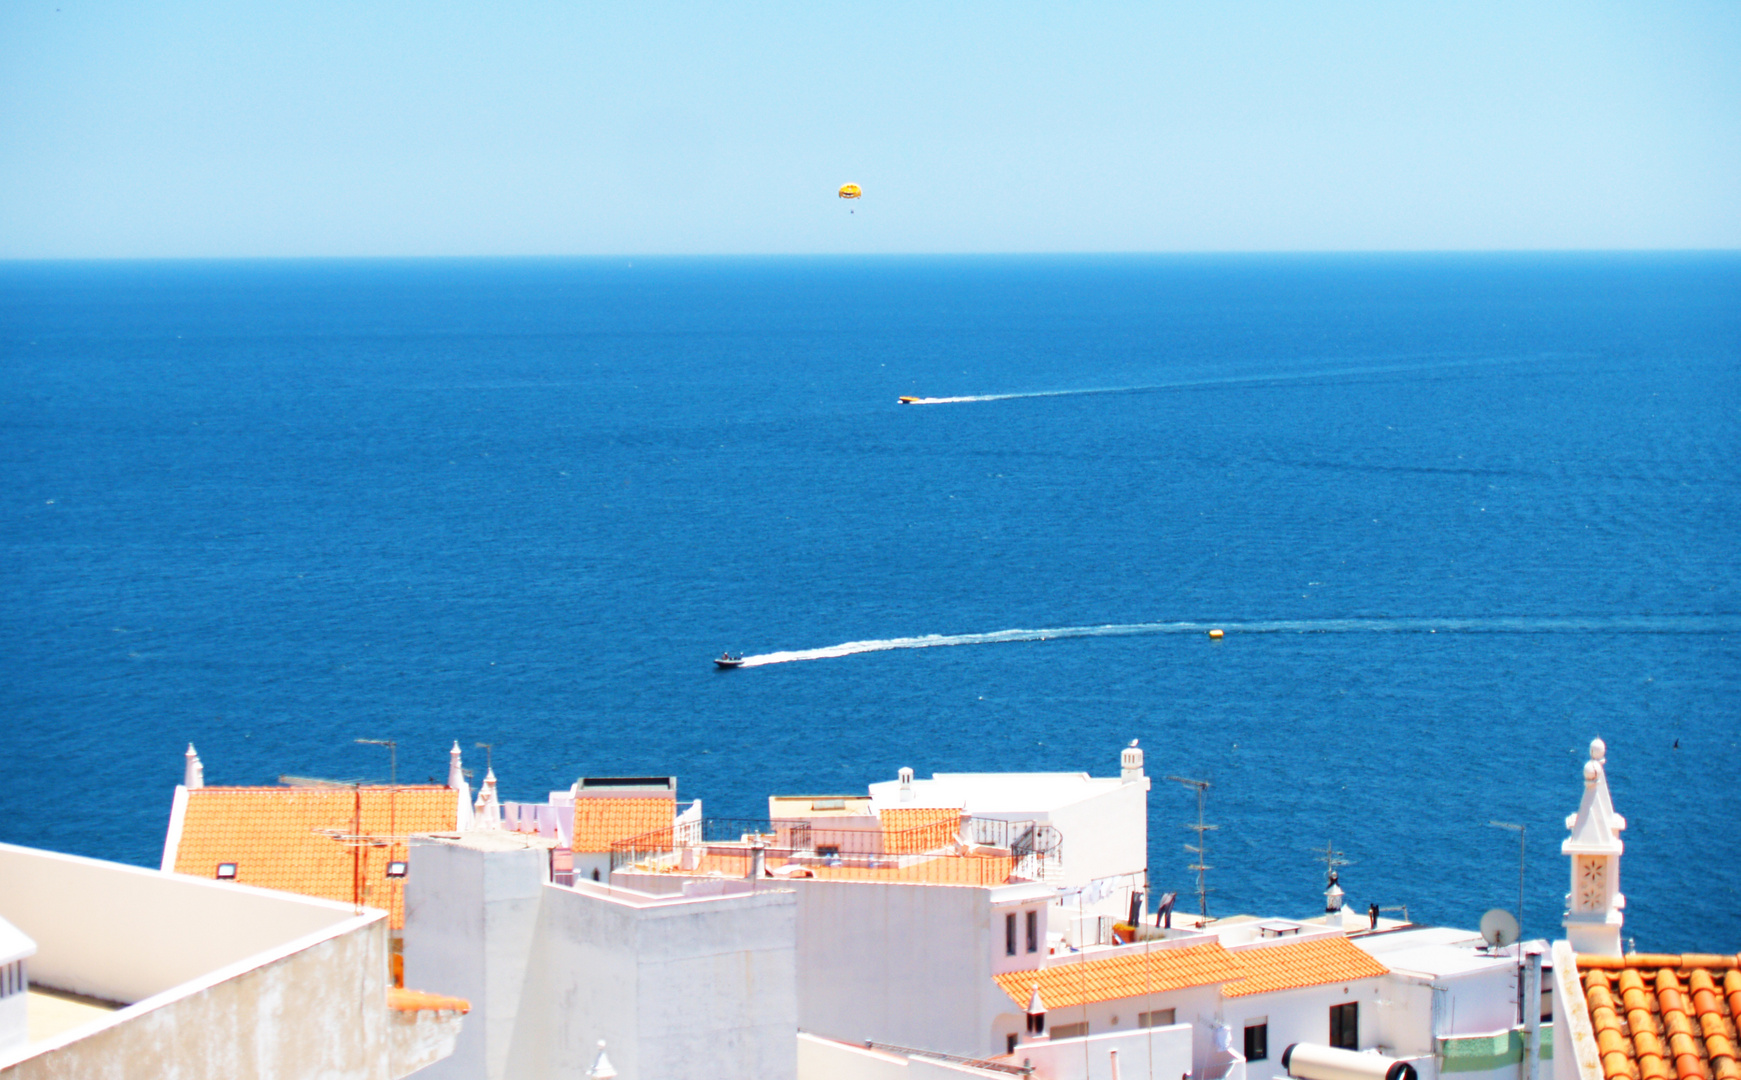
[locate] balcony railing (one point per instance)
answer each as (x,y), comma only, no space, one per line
(1037,849)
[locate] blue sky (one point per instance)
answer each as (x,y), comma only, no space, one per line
(540,127)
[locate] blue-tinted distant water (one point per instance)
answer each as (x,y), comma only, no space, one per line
(1457,515)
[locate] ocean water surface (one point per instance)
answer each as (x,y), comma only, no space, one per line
(1456,514)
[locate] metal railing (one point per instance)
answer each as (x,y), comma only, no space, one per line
(953,1059)
(1038,849)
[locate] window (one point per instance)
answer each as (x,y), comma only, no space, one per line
(1345,1026)
(1069,1031)
(1009,1043)
(226,871)
(1257,1041)
(1033,931)
(1158,1018)
(1009,934)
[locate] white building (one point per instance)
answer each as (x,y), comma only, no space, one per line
(145,973)
(699,983)
(911,900)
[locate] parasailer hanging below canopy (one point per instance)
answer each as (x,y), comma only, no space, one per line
(850,191)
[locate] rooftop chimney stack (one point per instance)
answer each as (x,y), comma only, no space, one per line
(1594,906)
(1333,902)
(906,775)
(1036,1016)
(488,814)
(455,771)
(1130,763)
(195,777)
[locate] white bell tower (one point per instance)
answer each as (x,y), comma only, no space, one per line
(1594,906)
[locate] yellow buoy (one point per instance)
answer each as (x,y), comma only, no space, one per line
(1215,634)
(850,191)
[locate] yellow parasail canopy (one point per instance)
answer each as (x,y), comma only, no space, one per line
(850,191)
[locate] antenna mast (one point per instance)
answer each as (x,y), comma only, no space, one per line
(1201,847)
(1331,860)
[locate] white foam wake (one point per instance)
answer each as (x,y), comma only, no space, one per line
(1498,624)
(1225,380)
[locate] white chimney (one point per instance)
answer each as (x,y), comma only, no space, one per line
(1594,906)
(601,1066)
(906,775)
(1130,763)
(488,813)
(455,771)
(195,776)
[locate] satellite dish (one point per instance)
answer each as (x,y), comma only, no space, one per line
(1499,927)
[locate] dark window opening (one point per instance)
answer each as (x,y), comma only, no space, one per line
(1033,931)
(828,850)
(1257,1042)
(1345,1026)
(1009,934)
(1009,1043)
(595,873)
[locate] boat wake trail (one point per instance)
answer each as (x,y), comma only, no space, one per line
(1223,380)
(1499,624)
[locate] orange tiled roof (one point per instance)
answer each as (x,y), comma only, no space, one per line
(914,830)
(1130,975)
(401,1000)
(601,822)
(273,835)
(1303,963)
(1664,1017)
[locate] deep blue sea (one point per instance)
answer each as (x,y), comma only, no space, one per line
(1457,515)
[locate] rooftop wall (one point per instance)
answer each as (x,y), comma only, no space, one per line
(123,934)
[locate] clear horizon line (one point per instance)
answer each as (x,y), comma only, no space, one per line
(871,255)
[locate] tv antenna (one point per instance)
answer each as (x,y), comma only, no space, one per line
(1201,847)
(489,750)
(1331,860)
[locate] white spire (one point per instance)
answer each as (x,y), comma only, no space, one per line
(455,771)
(195,776)
(601,1066)
(1035,1005)
(1594,906)
(488,814)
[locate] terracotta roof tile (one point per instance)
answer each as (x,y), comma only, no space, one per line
(400,1000)
(278,837)
(914,830)
(1132,974)
(1664,1016)
(602,821)
(1304,963)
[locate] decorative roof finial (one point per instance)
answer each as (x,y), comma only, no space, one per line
(602,1069)
(195,776)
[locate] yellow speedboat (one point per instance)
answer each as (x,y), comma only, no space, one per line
(910,400)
